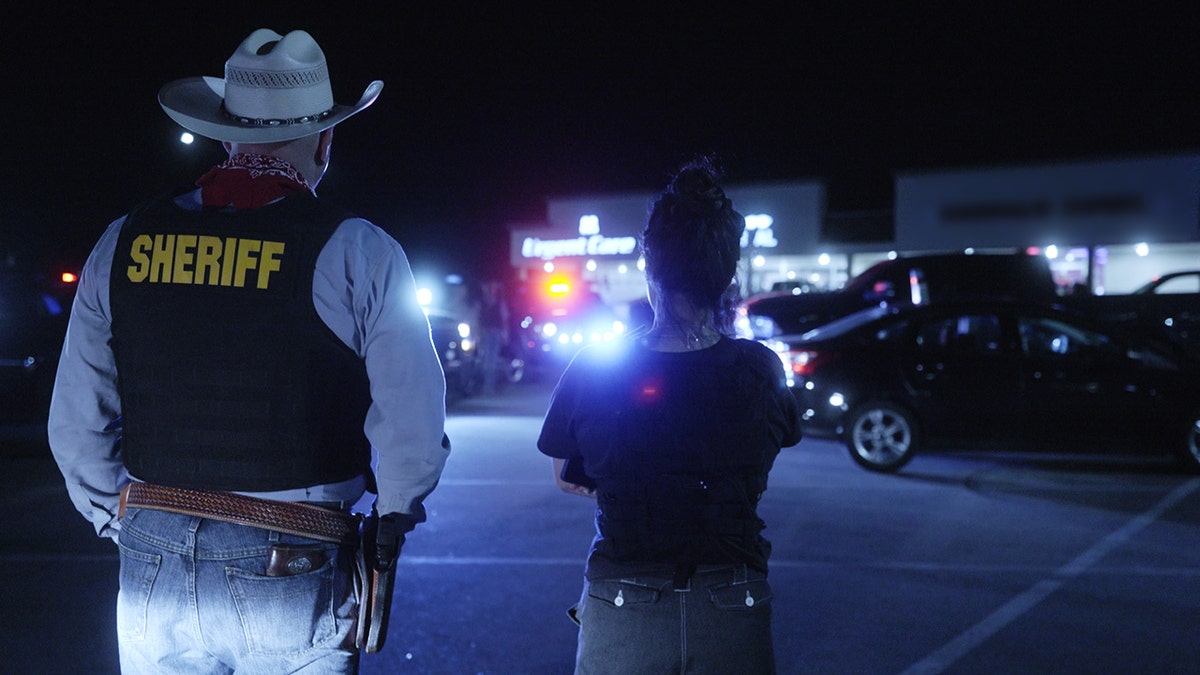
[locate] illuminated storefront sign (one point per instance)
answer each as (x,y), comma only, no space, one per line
(758,233)
(589,243)
(597,244)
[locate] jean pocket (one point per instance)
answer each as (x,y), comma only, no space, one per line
(741,595)
(624,592)
(284,614)
(137,575)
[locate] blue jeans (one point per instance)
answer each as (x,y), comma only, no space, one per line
(195,598)
(719,623)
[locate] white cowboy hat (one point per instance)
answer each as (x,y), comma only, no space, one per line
(276,88)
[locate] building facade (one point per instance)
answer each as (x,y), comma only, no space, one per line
(1107,226)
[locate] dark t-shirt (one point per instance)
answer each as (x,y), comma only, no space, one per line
(679,445)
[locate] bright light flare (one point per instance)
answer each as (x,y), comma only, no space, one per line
(802,362)
(424,296)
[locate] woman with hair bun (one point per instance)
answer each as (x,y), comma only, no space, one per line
(673,432)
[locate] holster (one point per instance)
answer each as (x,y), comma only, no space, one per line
(374,586)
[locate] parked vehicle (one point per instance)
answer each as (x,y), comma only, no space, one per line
(794,286)
(457,351)
(1173,283)
(36,291)
(904,280)
(1169,301)
(891,380)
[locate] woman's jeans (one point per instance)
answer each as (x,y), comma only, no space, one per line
(195,598)
(719,622)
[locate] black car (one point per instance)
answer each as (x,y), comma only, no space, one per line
(36,291)
(992,375)
(1186,282)
(1170,302)
(917,280)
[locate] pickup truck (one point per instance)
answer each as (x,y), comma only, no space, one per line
(906,280)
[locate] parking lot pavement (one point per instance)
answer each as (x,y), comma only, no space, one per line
(961,563)
(60,581)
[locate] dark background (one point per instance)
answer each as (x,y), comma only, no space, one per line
(489,110)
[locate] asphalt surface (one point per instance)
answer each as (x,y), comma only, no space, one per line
(963,563)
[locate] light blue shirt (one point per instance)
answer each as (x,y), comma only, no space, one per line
(363,289)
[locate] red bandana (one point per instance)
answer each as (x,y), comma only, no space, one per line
(249,181)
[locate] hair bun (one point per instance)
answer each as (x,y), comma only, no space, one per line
(696,190)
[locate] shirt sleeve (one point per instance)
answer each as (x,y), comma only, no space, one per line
(364,291)
(85,408)
(787,410)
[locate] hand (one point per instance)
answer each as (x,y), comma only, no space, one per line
(573,489)
(570,488)
(389,538)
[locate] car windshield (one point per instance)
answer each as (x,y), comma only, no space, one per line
(846,323)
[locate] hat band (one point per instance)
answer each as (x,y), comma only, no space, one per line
(270,79)
(275,122)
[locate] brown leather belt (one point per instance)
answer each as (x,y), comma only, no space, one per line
(296,518)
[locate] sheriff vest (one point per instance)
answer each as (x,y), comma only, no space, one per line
(203,259)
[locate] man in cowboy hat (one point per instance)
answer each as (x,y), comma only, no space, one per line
(243,363)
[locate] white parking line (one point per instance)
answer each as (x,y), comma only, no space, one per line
(488,561)
(960,646)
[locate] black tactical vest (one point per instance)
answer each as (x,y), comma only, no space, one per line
(229,380)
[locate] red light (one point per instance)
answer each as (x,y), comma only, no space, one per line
(69,277)
(803,363)
(650,390)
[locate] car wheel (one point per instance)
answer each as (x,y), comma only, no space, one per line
(881,437)
(1189,454)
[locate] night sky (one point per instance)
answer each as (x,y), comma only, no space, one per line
(486,112)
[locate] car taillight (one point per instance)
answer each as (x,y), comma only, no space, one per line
(798,362)
(803,362)
(68,277)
